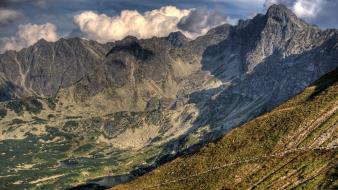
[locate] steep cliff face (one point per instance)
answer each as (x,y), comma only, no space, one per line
(144,101)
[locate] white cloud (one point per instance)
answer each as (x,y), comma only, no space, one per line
(307,8)
(158,22)
(201,20)
(29,34)
(8,15)
(102,28)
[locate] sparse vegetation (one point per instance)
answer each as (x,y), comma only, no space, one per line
(15,106)
(50,116)
(3,112)
(51,103)
(17,121)
(69,125)
(31,105)
(262,136)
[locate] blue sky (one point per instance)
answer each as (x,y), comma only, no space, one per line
(22,22)
(61,12)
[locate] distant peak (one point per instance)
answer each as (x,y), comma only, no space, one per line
(176,34)
(177,38)
(221,29)
(278,7)
(129,39)
(280,13)
(132,48)
(41,41)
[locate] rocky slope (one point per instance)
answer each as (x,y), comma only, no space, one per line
(76,109)
(295,146)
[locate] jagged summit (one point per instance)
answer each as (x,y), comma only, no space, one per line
(281,14)
(132,48)
(278,9)
(42,41)
(222,29)
(177,39)
(129,39)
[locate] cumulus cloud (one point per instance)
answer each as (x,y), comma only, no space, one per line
(321,12)
(29,34)
(307,8)
(200,20)
(8,15)
(158,22)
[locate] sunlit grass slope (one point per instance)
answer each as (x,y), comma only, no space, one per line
(278,150)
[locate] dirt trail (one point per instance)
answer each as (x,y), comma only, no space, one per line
(303,132)
(276,111)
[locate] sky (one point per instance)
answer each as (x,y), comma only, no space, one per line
(24,22)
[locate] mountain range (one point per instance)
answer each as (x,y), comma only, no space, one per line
(76,111)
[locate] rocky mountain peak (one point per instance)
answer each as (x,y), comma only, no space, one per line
(41,41)
(222,29)
(131,47)
(128,39)
(279,9)
(282,15)
(41,44)
(177,39)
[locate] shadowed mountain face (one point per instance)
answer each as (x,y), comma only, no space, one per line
(127,105)
(292,147)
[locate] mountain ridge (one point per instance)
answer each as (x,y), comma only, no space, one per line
(135,103)
(250,157)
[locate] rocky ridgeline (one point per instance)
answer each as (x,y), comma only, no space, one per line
(277,46)
(230,75)
(192,91)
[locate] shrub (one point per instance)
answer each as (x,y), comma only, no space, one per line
(3,112)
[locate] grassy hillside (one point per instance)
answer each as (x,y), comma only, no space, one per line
(278,150)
